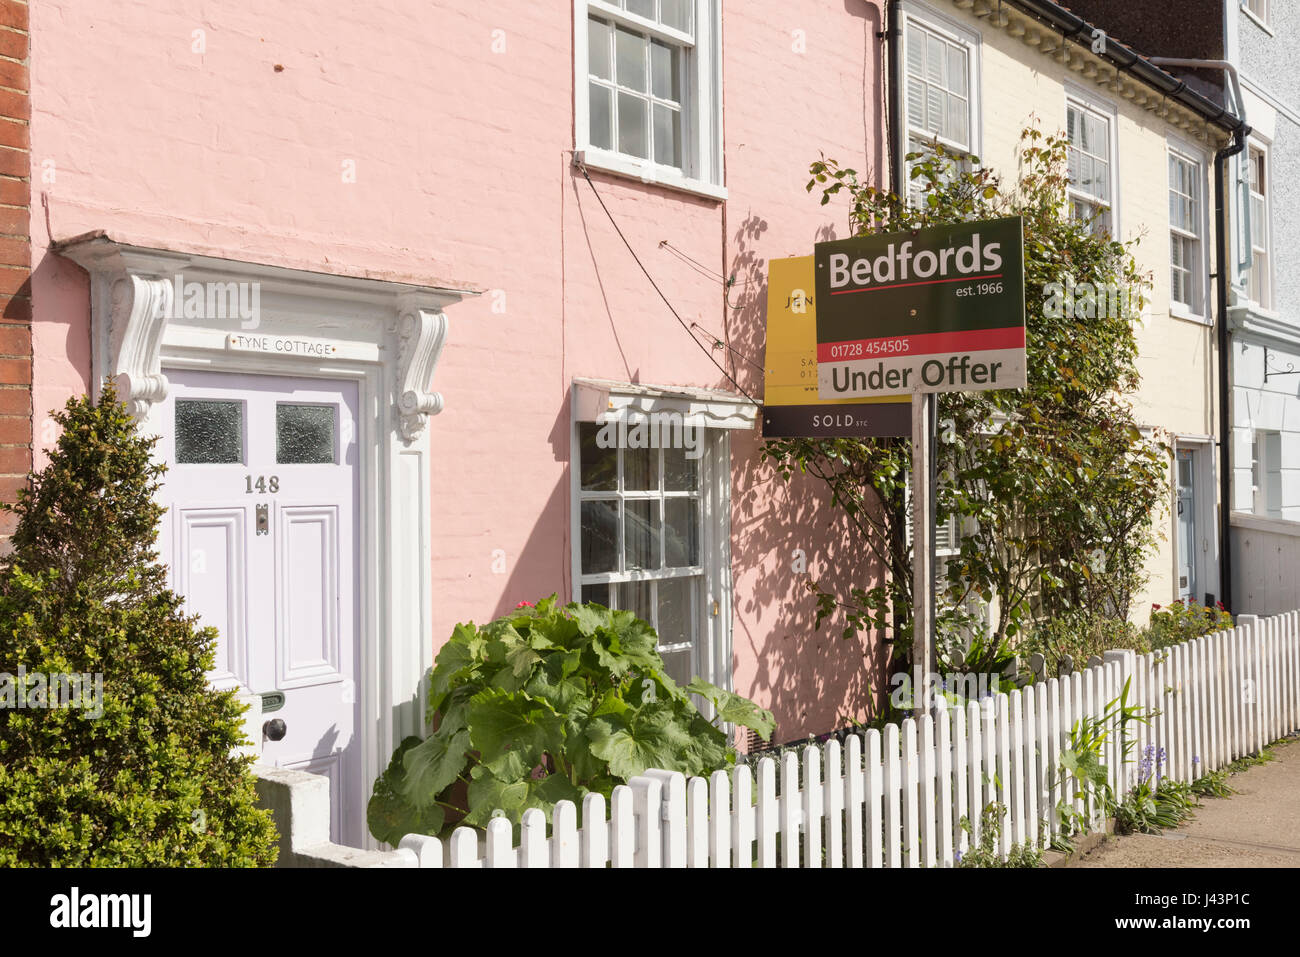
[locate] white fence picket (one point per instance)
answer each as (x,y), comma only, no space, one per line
(500,844)
(892,799)
(769,812)
(622,827)
(594,843)
(975,771)
(565,842)
(697,823)
(719,819)
(833,804)
(873,822)
(791,809)
(811,818)
(742,824)
(926,769)
(942,813)
(1016,784)
(911,811)
(854,802)
(533,851)
(463,851)
(960,780)
(1006,785)
(647,793)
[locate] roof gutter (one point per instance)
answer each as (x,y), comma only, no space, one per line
(1073,27)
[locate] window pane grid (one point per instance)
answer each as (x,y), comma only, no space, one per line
(1184,229)
(636,86)
(653,567)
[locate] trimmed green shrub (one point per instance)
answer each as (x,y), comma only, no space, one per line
(140,774)
(546,704)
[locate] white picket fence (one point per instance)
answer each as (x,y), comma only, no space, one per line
(896,799)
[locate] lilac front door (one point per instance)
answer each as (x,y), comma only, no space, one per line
(261,537)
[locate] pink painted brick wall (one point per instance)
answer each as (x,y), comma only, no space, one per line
(462,159)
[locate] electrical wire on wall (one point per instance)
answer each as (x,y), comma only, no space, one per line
(708,352)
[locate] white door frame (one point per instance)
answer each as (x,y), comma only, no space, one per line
(386,336)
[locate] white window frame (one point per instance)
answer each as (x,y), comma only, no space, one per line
(1105,110)
(1259,284)
(702,170)
(715,414)
(1266,473)
(1197,311)
(927,18)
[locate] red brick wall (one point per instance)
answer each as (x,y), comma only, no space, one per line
(15,259)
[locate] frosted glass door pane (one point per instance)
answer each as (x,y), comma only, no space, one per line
(304,434)
(209,432)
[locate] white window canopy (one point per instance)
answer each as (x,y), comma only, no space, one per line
(599,400)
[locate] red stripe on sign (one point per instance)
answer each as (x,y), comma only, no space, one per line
(925,282)
(922,344)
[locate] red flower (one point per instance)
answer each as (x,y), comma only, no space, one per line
(1155,607)
(1219,605)
(524,604)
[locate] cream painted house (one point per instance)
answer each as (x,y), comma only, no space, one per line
(976,74)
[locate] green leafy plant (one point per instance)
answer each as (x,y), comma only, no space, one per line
(546,704)
(1156,802)
(1055,484)
(1263,756)
(986,853)
(146,776)
(1182,621)
(1081,634)
(1214,784)
(1081,774)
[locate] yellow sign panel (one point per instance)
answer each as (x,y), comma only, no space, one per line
(791,406)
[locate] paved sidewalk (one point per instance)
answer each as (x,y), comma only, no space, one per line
(1259,826)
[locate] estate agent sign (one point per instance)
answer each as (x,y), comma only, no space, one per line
(935,310)
(791,406)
